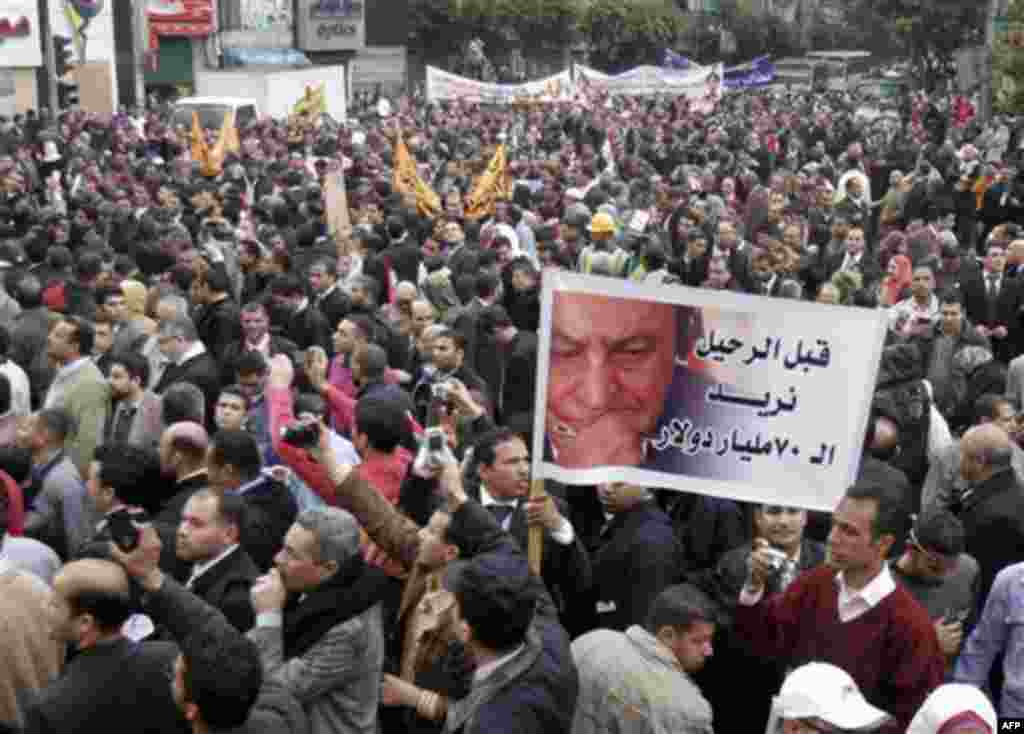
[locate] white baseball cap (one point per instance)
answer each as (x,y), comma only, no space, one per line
(823,691)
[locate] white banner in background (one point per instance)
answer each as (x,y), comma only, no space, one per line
(647,80)
(725,394)
(442,85)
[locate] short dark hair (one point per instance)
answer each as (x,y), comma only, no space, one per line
(231,508)
(890,514)
(222,675)
(83,334)
(105,293)
(680,606)
(940,531)
(382,421)
(183,401)
(237,449)
(251,362)
(951,296)
(498,608)
(485,447)
(486,284)
(237,391)
(134,364)
(373,361)
(127,469)
(457,337)
(110,609)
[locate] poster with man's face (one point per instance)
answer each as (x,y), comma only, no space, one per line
(757,399)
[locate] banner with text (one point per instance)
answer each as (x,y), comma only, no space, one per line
(442,85)
(695,83)
(720,393)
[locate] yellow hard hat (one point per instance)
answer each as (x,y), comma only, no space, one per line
(602,223)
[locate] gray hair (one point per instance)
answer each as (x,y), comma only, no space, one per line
(179,326)
(178,303)
(336,531)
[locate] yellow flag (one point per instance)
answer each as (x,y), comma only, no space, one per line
(313,102)
(200,150)
(492,185)
(407,180)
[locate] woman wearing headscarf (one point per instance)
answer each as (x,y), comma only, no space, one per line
(898,276)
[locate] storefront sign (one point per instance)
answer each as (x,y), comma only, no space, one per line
(331,25)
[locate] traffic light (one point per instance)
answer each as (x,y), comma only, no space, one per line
(67,89)
(63,55)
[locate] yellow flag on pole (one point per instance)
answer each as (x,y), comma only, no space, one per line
(200,150)
(492,185)
(406,180)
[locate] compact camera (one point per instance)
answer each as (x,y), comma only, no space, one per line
(776,558)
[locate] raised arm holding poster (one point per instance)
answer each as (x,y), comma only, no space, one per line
(725,394)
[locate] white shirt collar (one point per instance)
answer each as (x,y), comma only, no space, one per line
(263,345)
(486,499)
(487,669)
(200,568)
(853,604)
(195,350)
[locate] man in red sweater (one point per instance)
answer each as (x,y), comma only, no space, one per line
(849,612)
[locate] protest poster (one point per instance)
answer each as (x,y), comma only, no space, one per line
(443,85)
(720,393)
(650,80)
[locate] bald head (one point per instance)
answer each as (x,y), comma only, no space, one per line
(99,591)
(188,434)
(91,575)
(984,450)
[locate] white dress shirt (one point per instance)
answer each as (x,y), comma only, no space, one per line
(200,568)
(563,536)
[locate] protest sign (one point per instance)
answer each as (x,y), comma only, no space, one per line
(720,393)
(442,85)
(649,80)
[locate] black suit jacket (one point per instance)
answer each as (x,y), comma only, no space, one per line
(868,266)
(107,686)
(278,345)
(203,372)
(334,306)
(1006,312)
(226,586)
(219,325)
(993,518)
(520,376)
(309,328)
(565,569)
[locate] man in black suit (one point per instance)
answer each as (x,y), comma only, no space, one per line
(503,463)
(992,508)
(511,373)
(112,680)
(189,361)
(218,320)
(302,320)
(992,300)
(183,449)
(256,338)
(328,295)
(854,258)
(222,572)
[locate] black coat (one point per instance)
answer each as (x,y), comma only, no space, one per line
(334,306)
(1004,312)
(309,328)
(278,345)
(270,511)
(638,558)
(565,569)
(993,518)
(520,376)
(107,686)
(219,325)
(227,585)
(203,372)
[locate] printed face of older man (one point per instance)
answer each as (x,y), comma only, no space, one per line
(611,364)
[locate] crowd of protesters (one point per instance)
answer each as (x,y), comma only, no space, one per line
(220,513)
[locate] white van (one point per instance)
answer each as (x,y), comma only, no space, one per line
(211,111)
